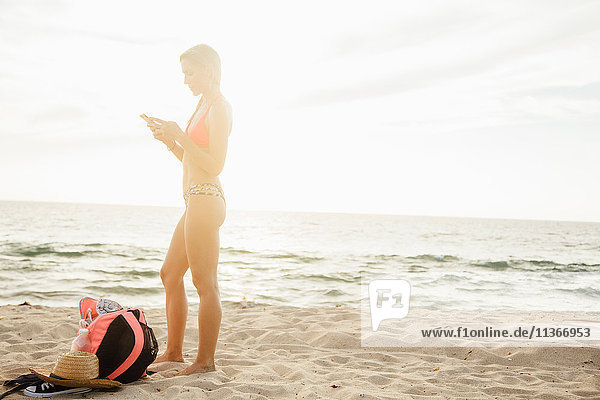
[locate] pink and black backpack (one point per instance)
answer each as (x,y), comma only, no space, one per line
(120,338)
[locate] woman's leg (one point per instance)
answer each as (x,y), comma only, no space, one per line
(171,274)
(205,215)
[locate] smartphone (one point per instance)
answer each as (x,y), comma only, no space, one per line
(147,119)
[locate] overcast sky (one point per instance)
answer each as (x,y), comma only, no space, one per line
(457,108)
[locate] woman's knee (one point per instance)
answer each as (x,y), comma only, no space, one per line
(170,277)
(205,285)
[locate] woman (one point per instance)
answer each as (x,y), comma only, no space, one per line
(195,243)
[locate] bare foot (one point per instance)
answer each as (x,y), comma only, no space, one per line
(168,357)
(196,369)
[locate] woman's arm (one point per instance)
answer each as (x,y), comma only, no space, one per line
(177,151)
(213,160)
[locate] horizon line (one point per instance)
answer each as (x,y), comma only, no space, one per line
(308,212)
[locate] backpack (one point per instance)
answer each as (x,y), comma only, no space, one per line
(123,342)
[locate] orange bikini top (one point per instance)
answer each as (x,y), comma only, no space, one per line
(199,133)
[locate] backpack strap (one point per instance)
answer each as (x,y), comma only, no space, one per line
(137,347)
(22,382)
(85,304)
(99,327)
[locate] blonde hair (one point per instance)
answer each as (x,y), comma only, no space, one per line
(203,54)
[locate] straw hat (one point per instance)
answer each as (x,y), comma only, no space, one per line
(76,369)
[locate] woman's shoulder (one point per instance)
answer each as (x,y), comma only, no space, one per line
(220,110)
(224,102)
(222,107)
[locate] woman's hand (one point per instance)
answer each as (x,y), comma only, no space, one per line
(168,130)
(159,136)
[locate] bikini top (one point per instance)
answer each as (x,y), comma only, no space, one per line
(199,133)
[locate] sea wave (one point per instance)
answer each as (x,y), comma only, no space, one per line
(426,262)
(232,250)
(43,295)
(77,250)
(339,277)
(294,257)
(536,266)
(434,258)
(128,273)
(584,291)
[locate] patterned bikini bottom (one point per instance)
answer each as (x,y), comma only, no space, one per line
(207,189)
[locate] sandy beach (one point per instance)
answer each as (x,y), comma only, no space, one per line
(311,353)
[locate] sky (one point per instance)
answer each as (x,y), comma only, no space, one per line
(447,108)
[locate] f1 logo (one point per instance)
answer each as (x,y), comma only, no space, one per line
(389,299)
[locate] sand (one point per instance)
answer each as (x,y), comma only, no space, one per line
(311,353)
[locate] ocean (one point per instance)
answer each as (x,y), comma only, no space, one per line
(55,253)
